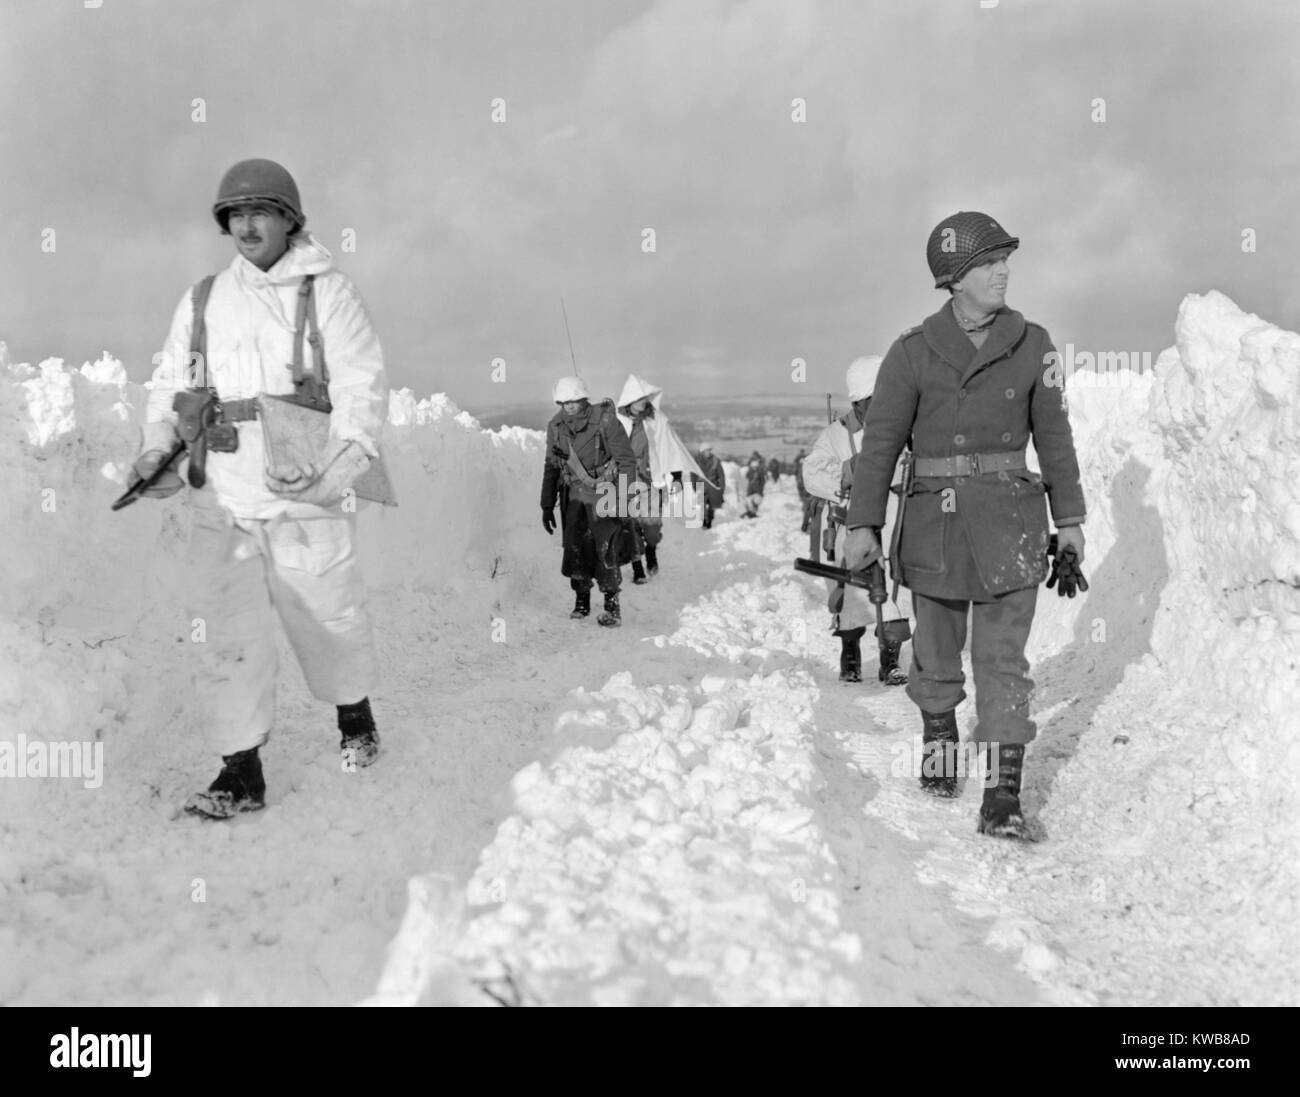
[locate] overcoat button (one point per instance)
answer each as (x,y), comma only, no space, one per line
(1011,394)
(959,439)
(1006,437)
(962,395)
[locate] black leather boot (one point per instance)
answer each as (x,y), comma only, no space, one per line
(238,787)
(581,602)
(939,740)
(652,559)
(890,672)
(360,742)
(851,654)
(638,572)
(1000,814)
(613,616)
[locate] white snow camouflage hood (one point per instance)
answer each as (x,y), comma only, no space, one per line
(634,388)
(668,454)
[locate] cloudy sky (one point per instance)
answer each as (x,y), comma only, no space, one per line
(774,239)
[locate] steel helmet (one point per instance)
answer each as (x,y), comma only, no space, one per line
(861,377)
(957,242)
(254,180)
(569,388)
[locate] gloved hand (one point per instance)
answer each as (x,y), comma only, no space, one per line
(169,483)
(846,473)
(862,548)
(548,519)
(1065,568)
(324,482)
(1071,537)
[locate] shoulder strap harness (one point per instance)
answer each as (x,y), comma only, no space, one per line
(311,389)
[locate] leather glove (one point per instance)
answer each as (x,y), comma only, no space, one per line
(548,519)
(1066,571)
(324,482)
(1071,537)
(862,548)
(169,483)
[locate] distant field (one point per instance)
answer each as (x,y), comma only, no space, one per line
(776,426)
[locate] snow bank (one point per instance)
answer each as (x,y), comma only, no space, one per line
(94,637)
(1171,725)
(670,854)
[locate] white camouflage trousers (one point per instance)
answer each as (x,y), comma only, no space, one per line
(245,573)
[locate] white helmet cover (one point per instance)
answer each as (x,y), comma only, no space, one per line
(569,388)
(861,377)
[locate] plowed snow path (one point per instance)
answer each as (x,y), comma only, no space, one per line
(721,836)
(805,880)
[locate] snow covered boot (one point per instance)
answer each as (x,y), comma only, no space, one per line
(652,559)
(939,753)
(638,573)
(851,654)
(890,672)
(581,603)
(613,616)
(238,787)
(360,742)
(1000,814)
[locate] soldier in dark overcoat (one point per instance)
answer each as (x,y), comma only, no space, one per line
(970,387)
(587,451)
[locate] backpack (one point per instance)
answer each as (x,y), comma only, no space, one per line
(578,480)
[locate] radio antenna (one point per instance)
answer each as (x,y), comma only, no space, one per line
(567,335)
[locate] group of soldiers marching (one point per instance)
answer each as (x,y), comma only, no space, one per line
(273,537)
(614,471)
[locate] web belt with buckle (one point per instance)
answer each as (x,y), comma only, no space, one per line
(969,464)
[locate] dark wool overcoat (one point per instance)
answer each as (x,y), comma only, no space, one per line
(970,537)
(596,437)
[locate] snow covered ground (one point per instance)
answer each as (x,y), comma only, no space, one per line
(693,809)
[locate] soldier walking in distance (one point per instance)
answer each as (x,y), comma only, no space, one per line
(661,462)
(714,481)
(266,541)
(755,473)
(971,386)
(828,474)
(805,497)
(585,447)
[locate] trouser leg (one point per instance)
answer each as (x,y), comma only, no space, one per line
(317,589)
(578,562)
(608,579)
(232,630)
(856,610)
(1003,688)
(936,679)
